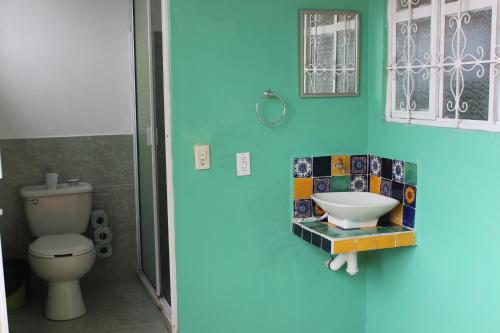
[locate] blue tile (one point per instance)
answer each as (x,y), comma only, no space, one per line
(397,191)
(326,245)
(386,171)
(398,171)
(359,165)
(306,235)
(316,240)
(302,208)
(322,166)
(359,183)
(408,217)
(386,187)
(375,166)
(297,230)
(302,167)
(321,185)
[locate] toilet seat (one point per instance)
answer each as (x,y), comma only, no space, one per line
(52,246)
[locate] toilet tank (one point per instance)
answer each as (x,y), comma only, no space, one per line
(63,210)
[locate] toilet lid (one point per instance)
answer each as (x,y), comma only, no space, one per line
(51,246)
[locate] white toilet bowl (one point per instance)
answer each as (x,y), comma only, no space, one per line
(62,260)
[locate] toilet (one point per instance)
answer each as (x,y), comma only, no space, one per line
(60,255)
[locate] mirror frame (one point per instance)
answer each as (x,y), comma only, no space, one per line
(302,58)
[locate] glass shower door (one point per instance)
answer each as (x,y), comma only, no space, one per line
(151,153)
(145,152)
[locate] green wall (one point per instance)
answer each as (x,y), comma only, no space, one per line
(239,269)
(449,282)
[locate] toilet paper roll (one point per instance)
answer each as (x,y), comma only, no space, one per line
(99,218)
(103,235)
(104,250)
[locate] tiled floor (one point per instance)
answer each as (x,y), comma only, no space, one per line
(122,307)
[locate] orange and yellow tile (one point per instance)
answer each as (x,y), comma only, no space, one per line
(341,165)
(396,215)
(410,195)
(386,242)
(375,184)
(407,239)
(302,188)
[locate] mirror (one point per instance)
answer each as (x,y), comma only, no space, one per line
(329,53)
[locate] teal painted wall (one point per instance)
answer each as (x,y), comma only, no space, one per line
(239,268)
(449,282)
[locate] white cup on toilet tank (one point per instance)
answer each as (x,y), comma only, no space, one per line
(51,180)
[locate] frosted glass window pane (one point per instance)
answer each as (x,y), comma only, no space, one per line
(419,55)
(476,45)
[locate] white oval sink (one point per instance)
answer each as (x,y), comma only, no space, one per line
(350,210)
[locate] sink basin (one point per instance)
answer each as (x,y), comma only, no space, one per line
(350,210)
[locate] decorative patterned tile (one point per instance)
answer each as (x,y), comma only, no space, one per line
(341,165)
(316,240)
(375,184)
(375,165)
(340,184)
(386,171)
(326,245)
(397,191)
(321,185)
(343,173)
(359,165)
(359,183)
(322,166)
(408,217)
(398,171)
(302,188)
(410,173)
(302,167)
(297,230)
(410,198)
(386,187)
(302,208)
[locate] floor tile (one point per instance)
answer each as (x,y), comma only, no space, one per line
(122,306)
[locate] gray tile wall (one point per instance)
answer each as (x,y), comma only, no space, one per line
(104,161)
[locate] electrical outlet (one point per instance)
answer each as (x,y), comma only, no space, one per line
(243,164)
(202,157)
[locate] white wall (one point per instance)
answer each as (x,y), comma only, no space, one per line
(64,68)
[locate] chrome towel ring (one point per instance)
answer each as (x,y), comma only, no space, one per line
(266,95)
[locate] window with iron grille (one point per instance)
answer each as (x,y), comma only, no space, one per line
(443,63)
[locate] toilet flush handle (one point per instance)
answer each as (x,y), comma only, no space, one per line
(32,201)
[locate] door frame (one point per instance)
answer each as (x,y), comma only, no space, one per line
(169,310)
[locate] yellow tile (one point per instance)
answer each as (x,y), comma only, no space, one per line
(344,246)
(407,239)
(386,242)
(396,215)
(302,188)
(366,244)
(375,184)
(345,160)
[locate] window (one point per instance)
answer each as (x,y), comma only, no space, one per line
(443,57)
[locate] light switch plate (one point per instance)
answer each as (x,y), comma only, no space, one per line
(202,157)
(243,164)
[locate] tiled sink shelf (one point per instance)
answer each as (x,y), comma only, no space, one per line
(335,240)
(354,173)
